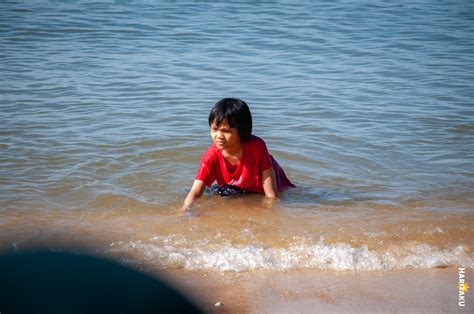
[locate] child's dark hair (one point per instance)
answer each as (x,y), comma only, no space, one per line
(237,114)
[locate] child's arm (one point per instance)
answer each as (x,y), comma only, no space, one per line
(269,183)
(196,191)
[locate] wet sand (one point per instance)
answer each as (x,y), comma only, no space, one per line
(316,291)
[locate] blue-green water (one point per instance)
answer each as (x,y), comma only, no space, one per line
(367,105)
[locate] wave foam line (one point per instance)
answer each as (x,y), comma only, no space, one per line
(340,256)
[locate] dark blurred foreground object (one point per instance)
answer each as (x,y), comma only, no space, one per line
(47,282)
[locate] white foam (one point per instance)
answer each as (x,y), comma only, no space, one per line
(206,255)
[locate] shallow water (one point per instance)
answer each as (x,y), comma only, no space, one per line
(367,106)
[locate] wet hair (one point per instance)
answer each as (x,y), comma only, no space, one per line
(237,114)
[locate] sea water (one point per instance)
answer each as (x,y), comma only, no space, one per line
(368,106)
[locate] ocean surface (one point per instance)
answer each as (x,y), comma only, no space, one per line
(367,105)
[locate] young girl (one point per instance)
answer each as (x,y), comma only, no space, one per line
(236,159)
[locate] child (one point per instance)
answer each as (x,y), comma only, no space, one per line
(237,159)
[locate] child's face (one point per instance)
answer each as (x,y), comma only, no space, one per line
(224,136)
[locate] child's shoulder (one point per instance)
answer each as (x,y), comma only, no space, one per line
(212,150)
(256,141)
(211,155)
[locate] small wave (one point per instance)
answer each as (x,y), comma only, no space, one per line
(338,256)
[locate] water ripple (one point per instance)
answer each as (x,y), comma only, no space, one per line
(364,91)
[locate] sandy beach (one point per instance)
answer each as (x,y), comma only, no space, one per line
(316,291)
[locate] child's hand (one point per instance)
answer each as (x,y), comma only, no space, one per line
(269,202)
(186,213)
(196,191)
(182,211)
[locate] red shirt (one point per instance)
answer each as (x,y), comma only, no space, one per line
(248,173)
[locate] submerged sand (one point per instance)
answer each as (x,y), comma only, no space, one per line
(316,291)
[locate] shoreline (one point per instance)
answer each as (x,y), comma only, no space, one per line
(316,291)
